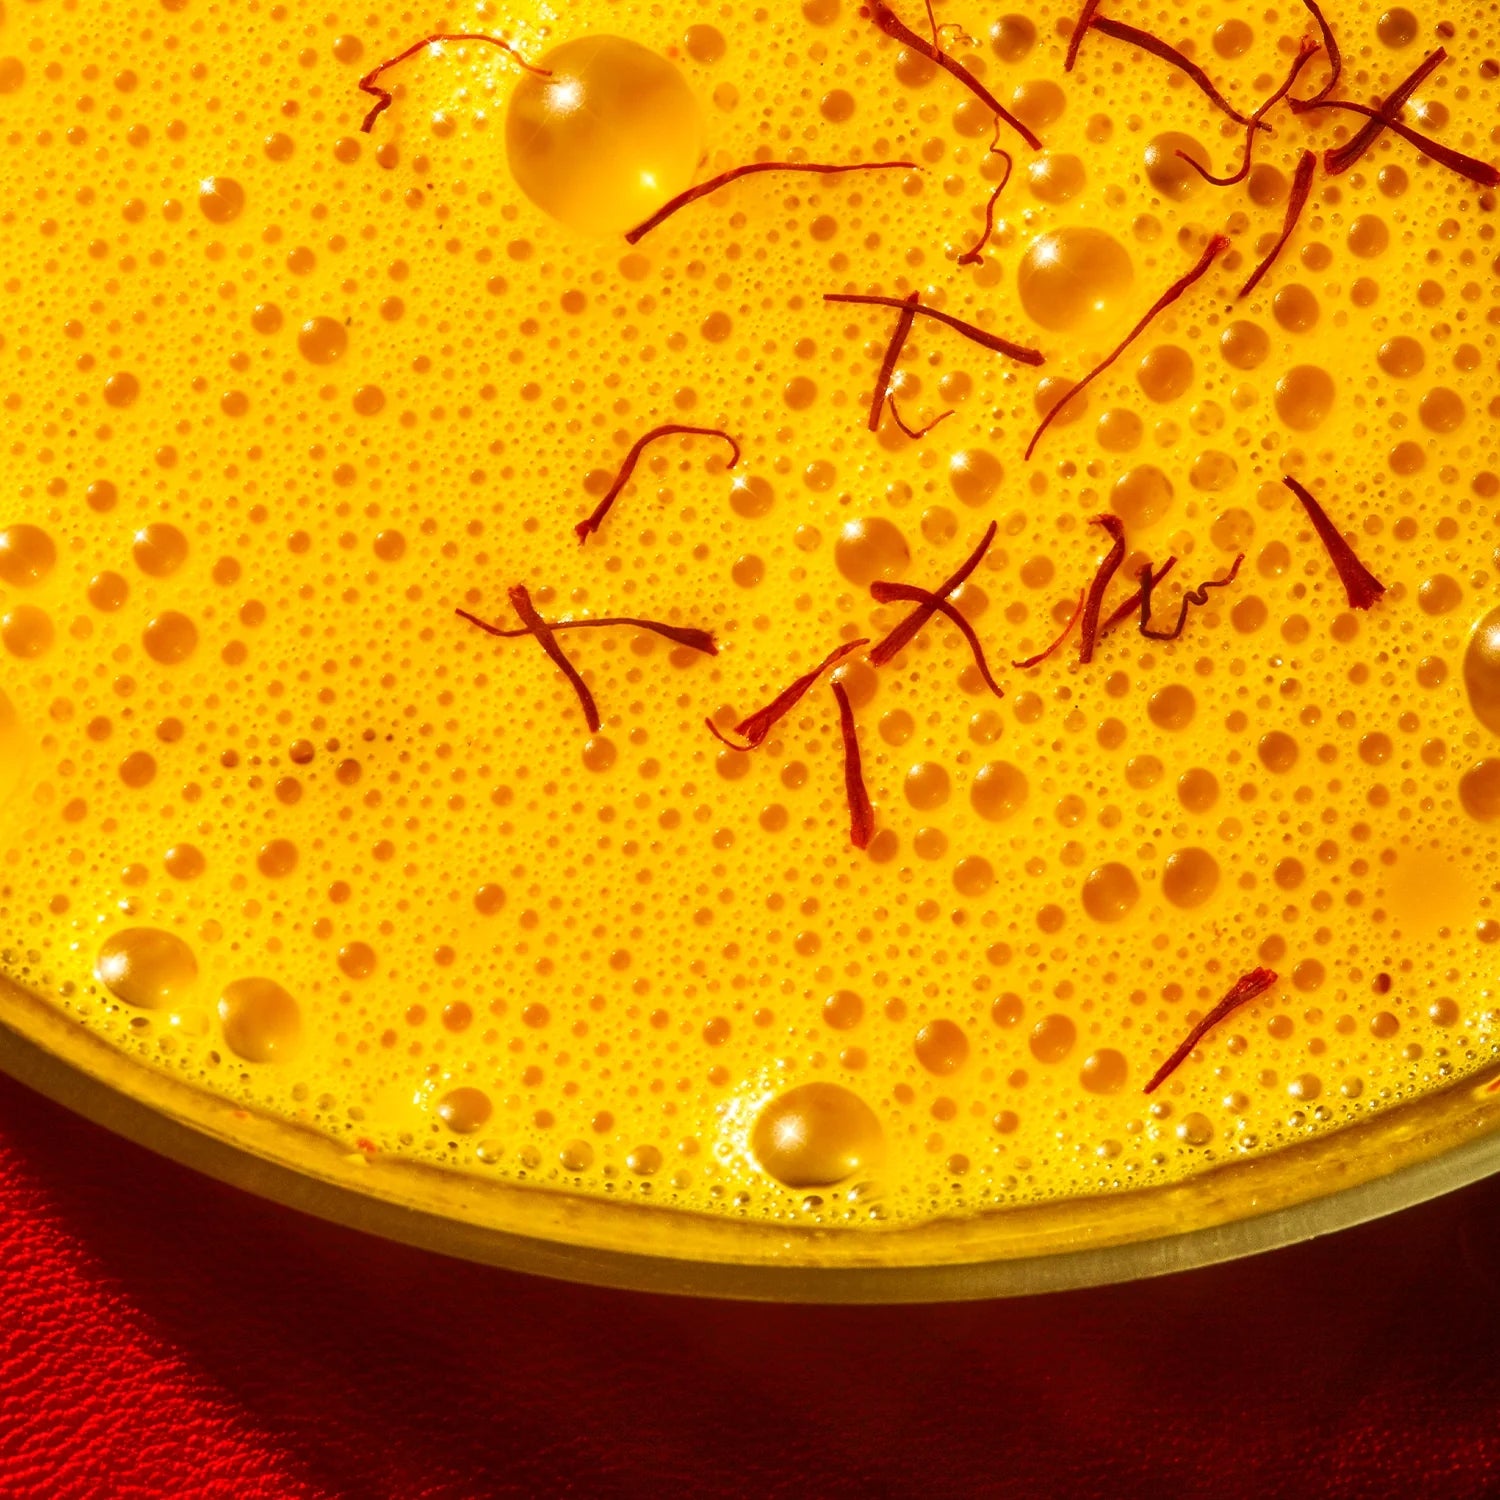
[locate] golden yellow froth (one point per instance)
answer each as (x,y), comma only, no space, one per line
(280,397)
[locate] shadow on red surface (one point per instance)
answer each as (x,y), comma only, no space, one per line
(162,1334)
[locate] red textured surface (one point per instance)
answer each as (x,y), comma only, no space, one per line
(163,1335)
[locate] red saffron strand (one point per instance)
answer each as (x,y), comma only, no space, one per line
(1361,586)
(1089,633)
(898,639)
(861,813)
(1148,42)
(1067,630)
(1305,49)
(1197,596)
(893,348)
(520,601)
(591,524)
(1080,28)
(892,593)
(974,255)
(1296,201)
(383,96)
(895,28)
(756,727)
(1340,158)
(1461,162)
(704,189)
(920,433)
(977,335)
(1215,247)
(1133,603)
(1246,988)
(679,635)
(1335,57)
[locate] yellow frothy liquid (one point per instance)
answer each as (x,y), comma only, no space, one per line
(281,397)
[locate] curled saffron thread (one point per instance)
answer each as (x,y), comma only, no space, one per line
(891,593)
(977,335)
(520,601)
(921,432)
(1133,603)
(679,635)
(896,641)
(974,255)
(1089,632)
(893,348)
(383,96)
(1340,158)
(1305,49)
(1246,988)
(1461,162)
(1216,246)
(1168,54)
(1197,596)
(1361,586)
(895,28)
(1080,28)
(591,524)
(861,814)
(1296,201)
(1067,630)
(704,189)
(1335,57)
(757,726)
(959,34)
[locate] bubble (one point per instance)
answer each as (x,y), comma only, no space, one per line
(12,74)
(1304,397)
(975,475)
(27,555)
(1277,751)
(170,638)
(1198,789)
(465,1110)
(146,967)
(26,631)
(973,876)
(1074,279)
(1441,410)
(704,44)
(926,785)
(221,199)
(1401,357)
(1479,791)
(1056,177)
(869,548)
(817,1135)
(1141,496)
(999,790)
(1482,670)
(322,341)
(276,858)
(942,1047)
(159,549)
(1368,236)
(357,960)
(1397,28)
(262,1022)
(1104,1071)
(1012,37)
(1110,892)
(1244,345)
(1052,1038)
(607,139)
(122,389)
(1189,877)
(1233,38)
(1172,707)
(843,1010)
(644,1161)
(1195,1130)
(1295,308)
(1039,102)
(1165,372)
(1168,173)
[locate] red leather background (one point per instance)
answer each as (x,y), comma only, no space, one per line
(163,1335)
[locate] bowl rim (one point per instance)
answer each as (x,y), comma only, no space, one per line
(1403,1155)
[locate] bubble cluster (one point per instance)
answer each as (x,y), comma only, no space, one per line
(283,397)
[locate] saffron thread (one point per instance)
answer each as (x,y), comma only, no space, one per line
(679,635)
(1456,161)
(893,348)
(1296,201)
(756,727)
(1214,248)
(704,189)
(1080,28)
(921,432)
(1197,596)
(974,255)
(1168,54)
(897,639)
(591,524)
(383,96)
(1089,632)
(895,28)
(520,601)
(1133,603)
(975,334)
(1335,57)
(1067,630)
(1361,586)
(861,813)
(1340,158)
(892,593)
(1246,989)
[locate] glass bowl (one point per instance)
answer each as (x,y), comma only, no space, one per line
(1401,1156)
